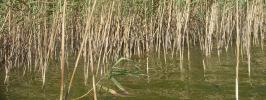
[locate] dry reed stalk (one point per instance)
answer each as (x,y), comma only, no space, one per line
(6,56)
(86,34)
(101,50)
(237,50)
(187,17)
(124,29)
(247,36)
(146,42)
(63,50)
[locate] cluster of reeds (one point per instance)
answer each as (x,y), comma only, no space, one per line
(36,32)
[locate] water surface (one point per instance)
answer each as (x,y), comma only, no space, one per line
(165,81)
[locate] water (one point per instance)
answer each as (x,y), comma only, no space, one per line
(166,82)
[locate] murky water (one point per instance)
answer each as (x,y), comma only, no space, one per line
(166,82)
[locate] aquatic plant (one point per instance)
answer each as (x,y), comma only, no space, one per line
(34,33)
(114,72)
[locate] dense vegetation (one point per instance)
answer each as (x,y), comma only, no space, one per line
(36,32)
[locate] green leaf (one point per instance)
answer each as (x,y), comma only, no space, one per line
(118,85)
(120,60)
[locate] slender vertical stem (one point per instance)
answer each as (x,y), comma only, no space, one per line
(84,41)
(63,50)
(237,50)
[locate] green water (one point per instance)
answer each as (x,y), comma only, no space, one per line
(166,82)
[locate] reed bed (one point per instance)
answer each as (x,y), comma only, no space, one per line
(36,32)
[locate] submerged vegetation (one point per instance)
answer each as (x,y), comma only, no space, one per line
(114,72)
(34,33)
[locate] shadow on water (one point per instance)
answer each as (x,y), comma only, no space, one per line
(166,82)
(2,86)
(2,95)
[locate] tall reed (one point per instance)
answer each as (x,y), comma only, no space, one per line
(34,33)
